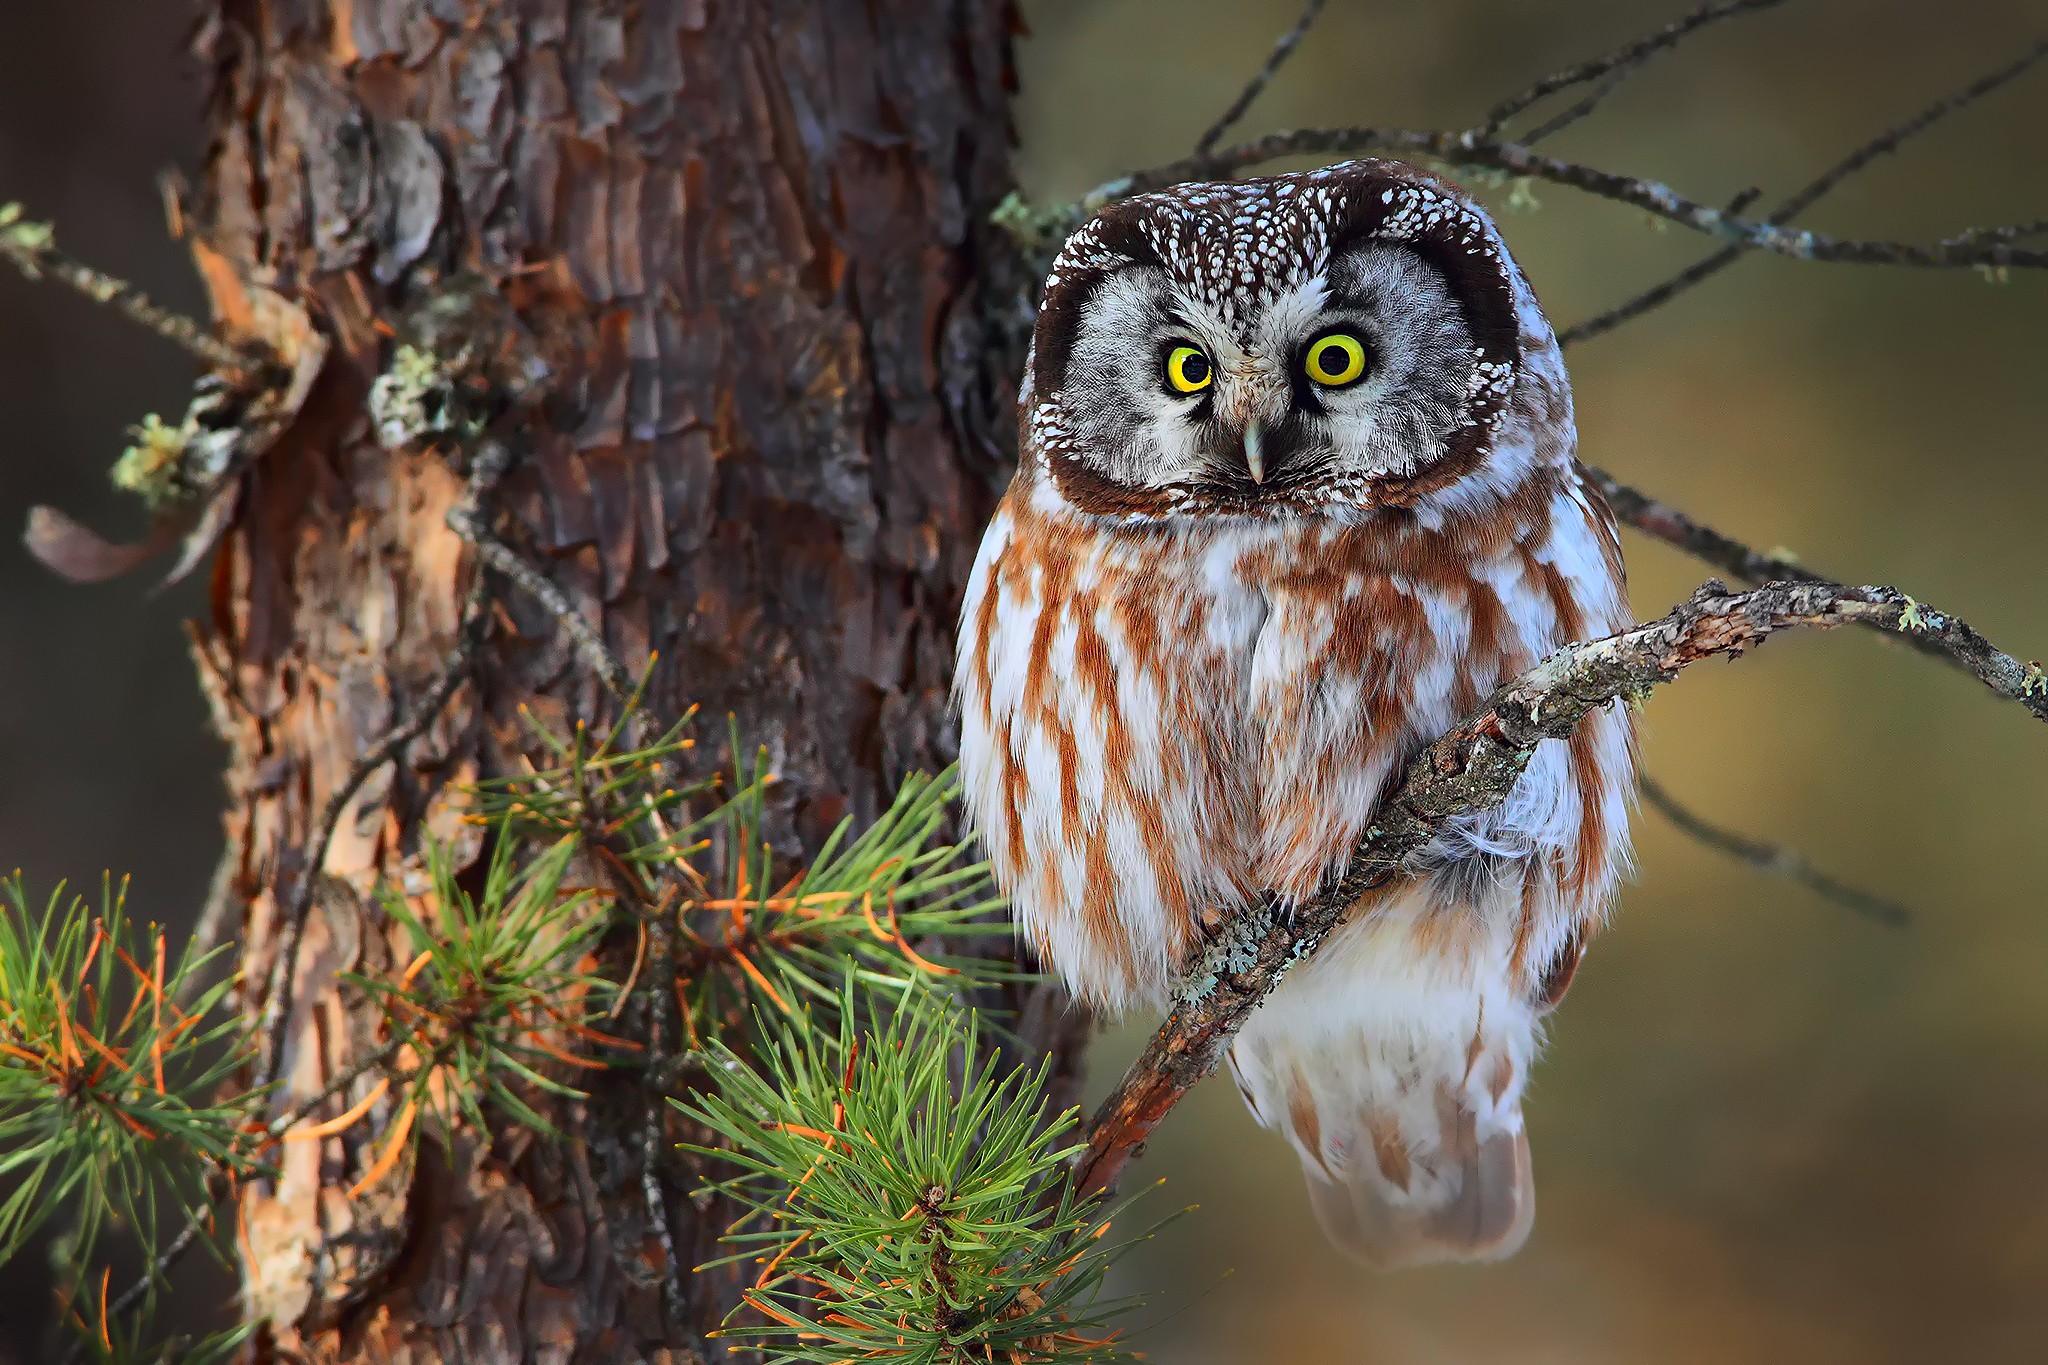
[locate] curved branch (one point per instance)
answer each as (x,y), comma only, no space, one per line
(1990,247)
(1472,768)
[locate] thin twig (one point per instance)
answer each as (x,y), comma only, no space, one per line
(1621,62)
(1885,143)
(33,250)
(1987,248)
(469,523)
(1583,109)
(1277,58)
(1472,768)
(1774,860)
(454,669)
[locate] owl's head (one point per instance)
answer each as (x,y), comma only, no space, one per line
(1347,337)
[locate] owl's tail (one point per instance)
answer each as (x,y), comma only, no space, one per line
(1394,1061)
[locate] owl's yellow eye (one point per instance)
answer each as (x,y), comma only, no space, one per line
(1188,370)
(1335,359)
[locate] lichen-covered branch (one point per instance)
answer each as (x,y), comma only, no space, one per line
(32,247)
(1473,768)
(1471,148)
(1941,636)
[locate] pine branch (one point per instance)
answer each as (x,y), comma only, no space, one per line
(1473,768)
(907,1196)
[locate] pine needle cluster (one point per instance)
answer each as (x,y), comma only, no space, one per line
(112,1053)
(907,1197)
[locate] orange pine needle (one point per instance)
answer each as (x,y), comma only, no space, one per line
(393,1149)
(772,1311)
(830,1140)
(747,965)
(417,966)
(72,1056)
(105,1275)
(156,1041)
(770,1270)
(539,1044)
(343,1121)
(632,976)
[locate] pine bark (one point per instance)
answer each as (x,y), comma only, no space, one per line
(751,244)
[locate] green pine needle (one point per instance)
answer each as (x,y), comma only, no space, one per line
(493,978)
(107,1080)
(908,1198)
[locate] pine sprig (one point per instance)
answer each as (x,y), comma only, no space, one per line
(498,984)
(907,1197)
(861,904)
(107,1080)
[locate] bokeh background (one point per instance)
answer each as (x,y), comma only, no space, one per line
(1766,1130)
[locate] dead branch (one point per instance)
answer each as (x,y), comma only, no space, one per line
(1991,247)
(1472,768)
(1774,860)
(32,247)
(1283,48)
(1884,144)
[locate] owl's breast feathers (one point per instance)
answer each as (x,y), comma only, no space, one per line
(1162,722)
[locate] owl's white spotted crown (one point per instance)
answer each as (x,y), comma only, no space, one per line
(1238,251)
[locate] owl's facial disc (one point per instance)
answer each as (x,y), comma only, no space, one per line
(1357,374)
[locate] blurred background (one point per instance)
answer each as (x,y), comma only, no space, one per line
(1766,1130)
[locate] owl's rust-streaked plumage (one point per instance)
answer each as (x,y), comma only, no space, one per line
(1203,636)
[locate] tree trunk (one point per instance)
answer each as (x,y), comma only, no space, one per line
(751,244)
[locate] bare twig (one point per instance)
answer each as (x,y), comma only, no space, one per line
(1283,48)
(1471,768)
(469,523)
(1620,63)
(33,249)
(1987,248)
(1883,144)
(1772,859)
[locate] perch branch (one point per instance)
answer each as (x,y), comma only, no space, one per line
(1773,860)
(1947,639)
(32,247)
(1885,143)
(1283,48)
(1471,768)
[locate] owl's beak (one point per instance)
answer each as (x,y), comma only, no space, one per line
(1254,456)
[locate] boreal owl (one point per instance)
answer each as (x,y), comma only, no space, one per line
(1297,491)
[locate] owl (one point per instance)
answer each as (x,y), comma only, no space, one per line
(1297,491)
